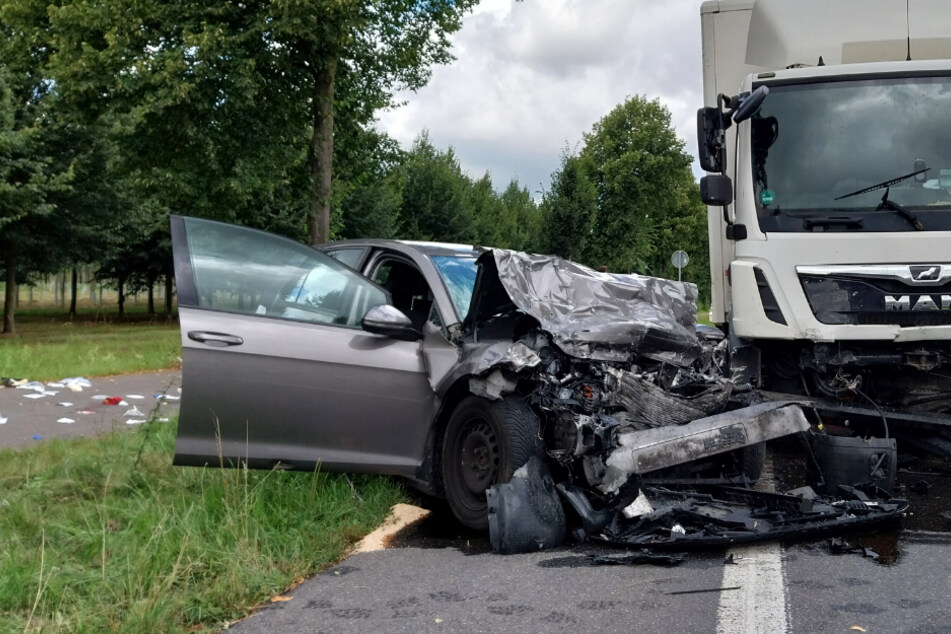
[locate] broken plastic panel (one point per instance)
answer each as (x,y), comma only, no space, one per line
(525,514)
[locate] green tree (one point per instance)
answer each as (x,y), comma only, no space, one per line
(434,203)
(647,202)
(249,92)
(524,220)
(568,210)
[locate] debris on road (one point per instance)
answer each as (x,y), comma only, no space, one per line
(3,421)
(113,400)
(65,421)
(645,556)
(134,412)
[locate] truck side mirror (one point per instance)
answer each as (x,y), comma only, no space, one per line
(716,190)
(711,148)
(750,104)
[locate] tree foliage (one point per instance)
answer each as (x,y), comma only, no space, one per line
(568,210)
(628,200)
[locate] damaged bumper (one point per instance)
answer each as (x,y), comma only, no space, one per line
(624,390)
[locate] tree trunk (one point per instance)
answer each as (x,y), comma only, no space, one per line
(151,298)
(74,282)
(321,153)
(9,298)
(121,297)
(168,294)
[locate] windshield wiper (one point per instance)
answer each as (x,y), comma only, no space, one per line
(902,211)
(883,184)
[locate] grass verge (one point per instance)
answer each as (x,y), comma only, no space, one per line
(104,535)
(49,348)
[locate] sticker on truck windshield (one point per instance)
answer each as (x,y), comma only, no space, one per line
(766,197)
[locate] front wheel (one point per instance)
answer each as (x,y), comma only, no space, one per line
(485,442)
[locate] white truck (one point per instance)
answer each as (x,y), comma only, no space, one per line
(827,139)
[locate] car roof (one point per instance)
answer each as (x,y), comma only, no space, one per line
(424,247)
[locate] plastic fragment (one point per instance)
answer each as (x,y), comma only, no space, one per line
(858,628)
(85,411)
(65,421)
(134,412)
(280,599)
(703,590)
(37,437)
(36,386)
(134,396)
(76,383)
(65,404)
(99,397)
(112,400)
(167,397)
(34,396)
(3,420)
(643,557)
(11,382)
(135,421)
(162,420)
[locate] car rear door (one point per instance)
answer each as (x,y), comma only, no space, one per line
(276,368)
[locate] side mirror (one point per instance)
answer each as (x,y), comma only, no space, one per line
(390,321)
(716,190)
(750,104)
(711,149)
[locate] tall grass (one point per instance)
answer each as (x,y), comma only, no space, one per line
(104,535)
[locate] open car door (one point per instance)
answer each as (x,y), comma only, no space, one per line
(276,369)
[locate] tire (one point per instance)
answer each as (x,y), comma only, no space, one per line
(751,459)
(485,442)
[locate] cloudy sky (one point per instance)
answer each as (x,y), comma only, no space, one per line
(531,77)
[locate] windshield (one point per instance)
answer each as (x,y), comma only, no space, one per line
(843,155)
(459,274)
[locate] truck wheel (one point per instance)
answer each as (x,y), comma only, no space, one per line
(485,442)
(751,460)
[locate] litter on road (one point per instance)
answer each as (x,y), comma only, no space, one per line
(66,421)
(134,412)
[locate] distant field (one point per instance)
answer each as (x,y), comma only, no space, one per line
(48,347)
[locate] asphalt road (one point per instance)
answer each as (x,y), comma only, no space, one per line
(433,577)
(29,421)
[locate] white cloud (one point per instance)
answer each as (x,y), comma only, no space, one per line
(531,77)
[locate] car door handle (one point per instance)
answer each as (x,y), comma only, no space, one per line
(216,339)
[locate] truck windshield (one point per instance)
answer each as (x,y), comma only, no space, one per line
(816,145)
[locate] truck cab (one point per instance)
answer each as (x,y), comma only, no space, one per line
(830,201)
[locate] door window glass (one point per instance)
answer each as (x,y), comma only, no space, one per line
(245,271)
(350,257)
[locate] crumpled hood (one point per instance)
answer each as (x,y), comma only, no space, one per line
(593,315)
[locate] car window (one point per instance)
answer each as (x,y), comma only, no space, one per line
(408,288)
(459,274)
(240,270)
(350,257)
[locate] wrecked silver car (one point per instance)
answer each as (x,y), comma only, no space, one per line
(453,367)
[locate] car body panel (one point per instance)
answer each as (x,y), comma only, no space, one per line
(265,390)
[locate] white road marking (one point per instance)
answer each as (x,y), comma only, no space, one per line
(759,606)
